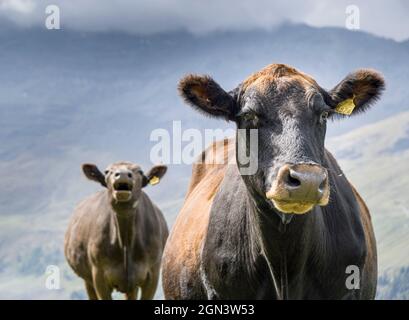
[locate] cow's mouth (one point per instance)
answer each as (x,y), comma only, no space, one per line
(122,191)
(297,188)
(123,186)
(286,206)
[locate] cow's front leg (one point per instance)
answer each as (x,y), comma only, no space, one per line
(92,295)
(104,292)
(132,295)
(150,284)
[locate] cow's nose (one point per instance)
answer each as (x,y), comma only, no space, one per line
(304,182)
(122,174)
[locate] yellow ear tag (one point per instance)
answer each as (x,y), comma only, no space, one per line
(346,107)
(154,180)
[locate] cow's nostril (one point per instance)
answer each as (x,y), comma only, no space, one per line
(322,185)
(117,174)
(292,181)
(130,175)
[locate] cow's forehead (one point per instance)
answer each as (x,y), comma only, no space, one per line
(123,164)
(278,77)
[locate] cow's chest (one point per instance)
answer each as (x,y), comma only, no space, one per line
(228,276)
(123,279)
(121,273)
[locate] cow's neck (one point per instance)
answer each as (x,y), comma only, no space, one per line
(124,216)
(281,244)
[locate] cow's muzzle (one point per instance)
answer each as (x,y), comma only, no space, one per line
(123,185)
(299,187)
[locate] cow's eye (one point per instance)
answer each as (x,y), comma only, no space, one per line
(323,117)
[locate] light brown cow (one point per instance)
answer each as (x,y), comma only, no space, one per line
(116,237)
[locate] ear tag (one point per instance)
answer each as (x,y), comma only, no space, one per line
(154,180)
(346,107)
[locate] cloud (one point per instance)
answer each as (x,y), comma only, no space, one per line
(387,19)
(17,6)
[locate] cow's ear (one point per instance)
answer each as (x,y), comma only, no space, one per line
(92,172)
(206,96)
(154,175)
(357,92)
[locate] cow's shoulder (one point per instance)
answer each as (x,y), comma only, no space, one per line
(346,214)
(90,221)
(151,223)
(212,162)
(89,216)
(185,242)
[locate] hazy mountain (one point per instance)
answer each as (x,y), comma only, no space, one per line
(375,159)
(70,97)
(394,284)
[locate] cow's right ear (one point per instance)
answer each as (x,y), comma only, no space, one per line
(154,175)
(206,96)
(92,172)
(357,92)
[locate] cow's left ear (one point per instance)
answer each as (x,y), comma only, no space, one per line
(357,92)
(154,175)
(92,172)
(205,95)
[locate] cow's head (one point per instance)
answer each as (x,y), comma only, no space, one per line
(124,180)
(290,111)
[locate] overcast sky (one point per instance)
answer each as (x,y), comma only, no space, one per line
(385,18)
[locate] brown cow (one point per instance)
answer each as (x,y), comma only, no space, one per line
(116,237)
(293,229)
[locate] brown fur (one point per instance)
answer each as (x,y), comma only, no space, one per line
(186,240)
(196,85)
(279,74)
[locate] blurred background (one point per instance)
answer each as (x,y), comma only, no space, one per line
(93,90)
